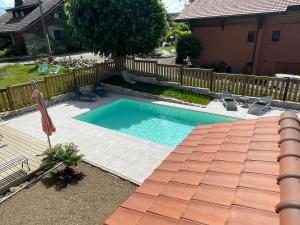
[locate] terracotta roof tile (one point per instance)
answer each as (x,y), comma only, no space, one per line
(265,146)
(229,175)
(269,156)
(195,166)
(207,213)
(168,207)
(234,147)
(206,148)
(187,177)
(221,179)
(247,216)
(179,191)
(152,188)
(170,166)
(259,181)
(237,140)
(202,156)
(226,167)
(231,156)
(184,150)
(177,157)
(161,176)
(256,199)
(138,202)
(151,219)
(214,194)
(262,167)
(124,217)
(289,178)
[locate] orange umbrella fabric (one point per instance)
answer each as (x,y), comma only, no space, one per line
(48,126)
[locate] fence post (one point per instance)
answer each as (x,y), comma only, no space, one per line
(212,80)
(9,97)
(181,74)
(133,65)
(74,78)
(244,85)
(286,90)
(47,88)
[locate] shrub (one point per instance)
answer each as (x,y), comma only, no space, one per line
(3,53)
(188,48)
(67,154)
(177,34)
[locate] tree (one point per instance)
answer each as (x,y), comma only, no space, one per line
(188,48)
(118,27)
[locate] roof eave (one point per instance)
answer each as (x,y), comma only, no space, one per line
(228,16)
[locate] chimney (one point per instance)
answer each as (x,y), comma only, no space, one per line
(18,3)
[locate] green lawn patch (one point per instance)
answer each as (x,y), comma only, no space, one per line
(162,90)
(18,74)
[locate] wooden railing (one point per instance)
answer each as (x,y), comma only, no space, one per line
(18,96)
(239,84)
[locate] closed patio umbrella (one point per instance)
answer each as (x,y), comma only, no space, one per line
(47,124)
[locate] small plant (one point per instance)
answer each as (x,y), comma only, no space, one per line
(188,48)
(67,154)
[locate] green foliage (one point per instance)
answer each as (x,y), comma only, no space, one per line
(67,154)
(162,90)
(118,28)
(177,33)
(3,53)
(188,48)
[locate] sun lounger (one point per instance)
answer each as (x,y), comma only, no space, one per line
(55,70)
(83,96)
(127,78)
(260,105)
(99,89)
(229,101)
(43,69)
(19,160)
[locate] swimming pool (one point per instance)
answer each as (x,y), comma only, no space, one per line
(157,123)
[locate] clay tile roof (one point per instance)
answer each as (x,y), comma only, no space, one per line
(234,174)
(201,9)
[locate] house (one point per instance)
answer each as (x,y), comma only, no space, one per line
(256,36)
(242,173)
(21,26)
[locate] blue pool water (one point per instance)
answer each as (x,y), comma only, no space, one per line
(157,123)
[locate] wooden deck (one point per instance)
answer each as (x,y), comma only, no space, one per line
(12,144)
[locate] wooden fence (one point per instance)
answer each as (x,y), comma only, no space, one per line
(284,89)
(18,96)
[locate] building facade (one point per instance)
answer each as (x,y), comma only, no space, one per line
(262,42)
(21,26)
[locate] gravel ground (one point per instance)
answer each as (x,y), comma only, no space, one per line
(86,199)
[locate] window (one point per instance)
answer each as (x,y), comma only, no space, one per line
(276,36)
(57,35)
(22,13)
(251,37)
(17,14)
(56,15)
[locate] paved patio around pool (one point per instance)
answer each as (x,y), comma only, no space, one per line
(130,157)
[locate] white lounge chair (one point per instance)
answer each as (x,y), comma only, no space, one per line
(127,78)
(229,101)
(260,105)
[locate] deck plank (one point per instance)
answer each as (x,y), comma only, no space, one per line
(14,143)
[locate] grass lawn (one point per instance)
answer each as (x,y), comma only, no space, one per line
(88,197)
(162,90)
(18,74)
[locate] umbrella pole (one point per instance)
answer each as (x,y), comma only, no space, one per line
(35,87)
